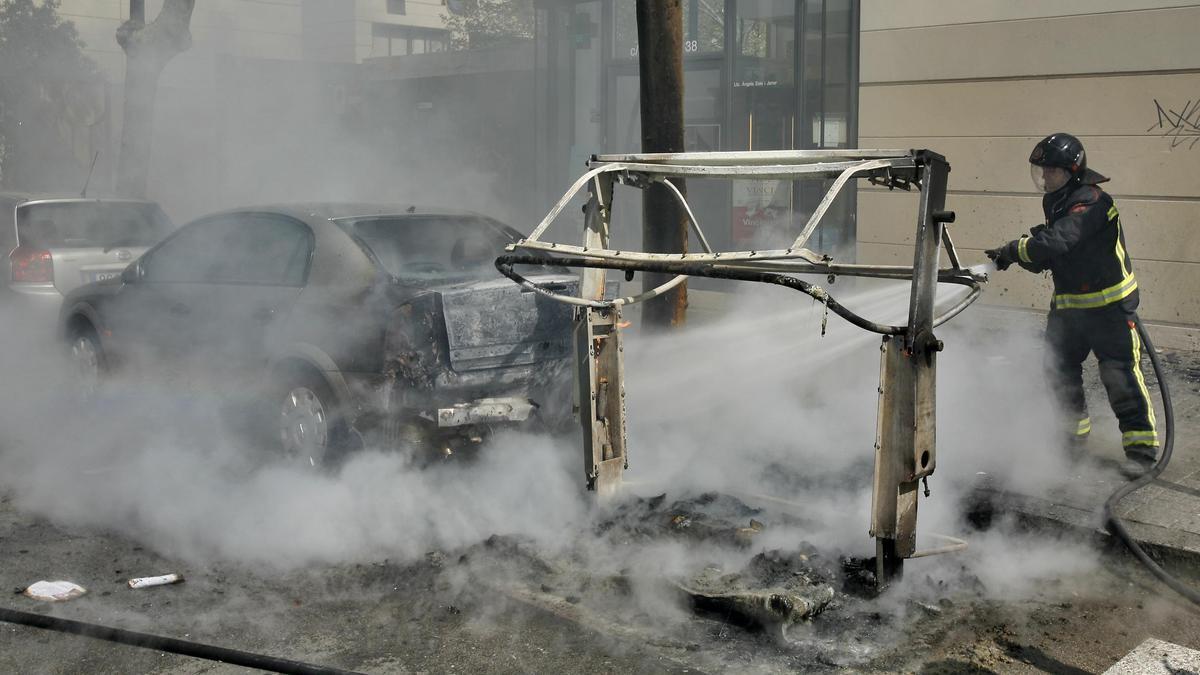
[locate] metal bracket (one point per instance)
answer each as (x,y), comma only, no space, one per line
(600,377)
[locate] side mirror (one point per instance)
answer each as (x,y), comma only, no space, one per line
(132,273)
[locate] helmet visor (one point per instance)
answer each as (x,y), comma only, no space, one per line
(1048,178)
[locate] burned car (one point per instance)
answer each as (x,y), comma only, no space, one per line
(343,321)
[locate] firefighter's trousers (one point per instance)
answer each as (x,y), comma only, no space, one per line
(1109,332)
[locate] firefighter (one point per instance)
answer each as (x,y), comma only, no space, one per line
(1095,296)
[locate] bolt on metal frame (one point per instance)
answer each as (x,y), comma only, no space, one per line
(905,449)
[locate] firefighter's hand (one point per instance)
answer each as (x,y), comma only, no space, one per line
(1000,257)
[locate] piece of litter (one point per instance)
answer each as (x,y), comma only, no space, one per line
(163,580)
(54,591)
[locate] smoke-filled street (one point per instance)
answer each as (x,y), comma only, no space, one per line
(599,336)
(501,562)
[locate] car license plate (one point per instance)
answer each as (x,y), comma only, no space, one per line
(101,276)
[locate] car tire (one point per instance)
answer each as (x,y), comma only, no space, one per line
(89,363)
(310,427)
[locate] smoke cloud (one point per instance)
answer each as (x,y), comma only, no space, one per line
(767,401)
(758,404)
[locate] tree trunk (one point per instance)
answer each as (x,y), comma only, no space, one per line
(664,220)
(148,49)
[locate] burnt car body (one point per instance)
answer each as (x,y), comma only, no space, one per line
(344,320)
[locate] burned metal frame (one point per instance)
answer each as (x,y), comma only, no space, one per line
(905,448)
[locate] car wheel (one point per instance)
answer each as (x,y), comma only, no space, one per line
(311,429)
(88,361)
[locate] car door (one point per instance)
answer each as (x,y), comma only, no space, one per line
(204,301)
(265,260)
(150,322)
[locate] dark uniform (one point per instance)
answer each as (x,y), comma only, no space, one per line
(1093,309)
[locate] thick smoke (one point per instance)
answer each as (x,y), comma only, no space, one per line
(760,403)
(764,402)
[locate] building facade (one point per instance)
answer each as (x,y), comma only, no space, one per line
(758,75)
(982,81)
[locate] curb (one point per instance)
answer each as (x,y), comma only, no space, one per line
(1163,544)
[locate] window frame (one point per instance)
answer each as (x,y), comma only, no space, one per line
(211,221)
(410,36)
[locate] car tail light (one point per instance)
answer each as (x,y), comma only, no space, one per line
(31,265)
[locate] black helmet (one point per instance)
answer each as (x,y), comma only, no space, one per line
(1064,151)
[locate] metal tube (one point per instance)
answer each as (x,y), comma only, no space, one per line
(778,168)
(505,265)
(563,201)
(832,194)
(781,171)
(691,216)
(506,268)
(802,261)
(778,254)
(752,158)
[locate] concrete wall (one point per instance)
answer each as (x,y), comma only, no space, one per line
(981,81)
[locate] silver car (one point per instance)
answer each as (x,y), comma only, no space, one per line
(57,244)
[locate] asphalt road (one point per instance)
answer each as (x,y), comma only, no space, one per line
(489,608)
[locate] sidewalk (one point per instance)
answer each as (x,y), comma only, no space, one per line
(1163,516)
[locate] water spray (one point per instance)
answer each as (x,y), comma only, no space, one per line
(983,271)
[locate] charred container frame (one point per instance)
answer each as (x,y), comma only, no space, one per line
(905,448)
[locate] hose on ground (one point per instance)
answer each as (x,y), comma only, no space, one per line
(165,644)
(1110,506)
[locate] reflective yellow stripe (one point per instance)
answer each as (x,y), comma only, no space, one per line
(1112,213)
(1022,249)
(1099,298)
(1085,427)
(1122,258)
(1139,438)
(1141,380)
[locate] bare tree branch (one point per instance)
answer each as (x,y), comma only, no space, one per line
(148,49)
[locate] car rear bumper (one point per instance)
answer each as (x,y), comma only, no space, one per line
(38,302)
(481,412)
(503,396)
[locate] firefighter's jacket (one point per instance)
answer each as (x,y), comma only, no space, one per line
(1082,245)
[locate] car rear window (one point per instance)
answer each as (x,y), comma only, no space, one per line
(91,224)
(432,247)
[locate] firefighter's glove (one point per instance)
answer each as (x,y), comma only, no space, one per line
(1000,256)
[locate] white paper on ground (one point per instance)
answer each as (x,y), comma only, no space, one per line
(54,591)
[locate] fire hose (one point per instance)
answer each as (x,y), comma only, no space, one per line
(1110,506)
(505,264)
(165,644)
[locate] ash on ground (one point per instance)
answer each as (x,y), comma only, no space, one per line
(689,575)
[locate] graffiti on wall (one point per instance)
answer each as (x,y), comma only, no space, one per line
(1181,126)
